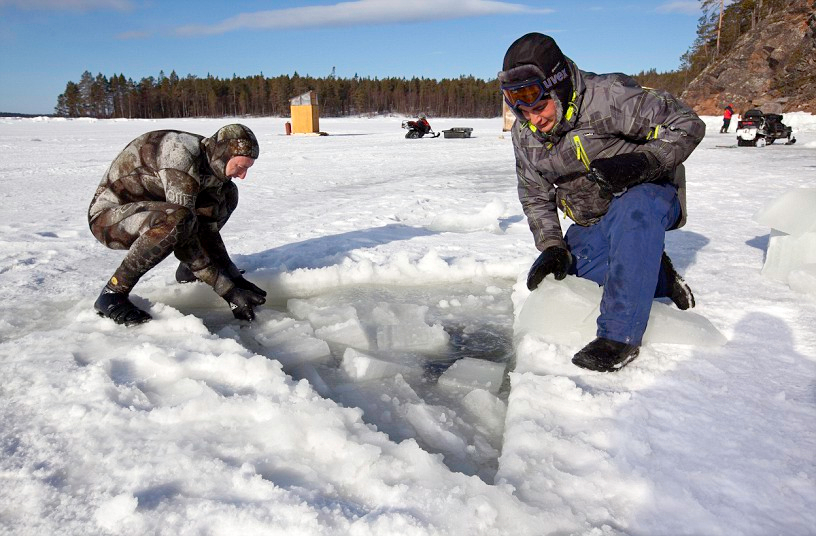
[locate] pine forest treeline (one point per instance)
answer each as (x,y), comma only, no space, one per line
(170,96)
(466,96)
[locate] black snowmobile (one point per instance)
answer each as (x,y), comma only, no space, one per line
(757,129)
(419,128)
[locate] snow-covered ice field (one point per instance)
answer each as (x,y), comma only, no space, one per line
(401,379)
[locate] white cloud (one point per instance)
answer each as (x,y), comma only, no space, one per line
(69,5)
(362,12)
(691,7)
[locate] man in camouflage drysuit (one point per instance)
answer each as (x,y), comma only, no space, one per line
(609,154)
(171,192)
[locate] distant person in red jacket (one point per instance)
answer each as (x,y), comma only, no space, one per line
(423,125)
(727,113)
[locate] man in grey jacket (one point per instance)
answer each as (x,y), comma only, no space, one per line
(607,153)
(171,192)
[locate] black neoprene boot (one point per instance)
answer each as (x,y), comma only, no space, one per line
(184,274)
(680,293)
(118,307)
(605,355)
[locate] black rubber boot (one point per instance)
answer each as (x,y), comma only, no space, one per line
(605,355)
(118,307)
(680,293)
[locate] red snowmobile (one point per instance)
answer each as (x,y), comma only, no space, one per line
(419,128)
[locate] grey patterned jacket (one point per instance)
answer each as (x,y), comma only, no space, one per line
(614,115)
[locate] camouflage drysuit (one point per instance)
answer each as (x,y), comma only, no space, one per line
(617,241)
(167,191)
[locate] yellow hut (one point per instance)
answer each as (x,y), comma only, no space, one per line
(305,113)
(508,117)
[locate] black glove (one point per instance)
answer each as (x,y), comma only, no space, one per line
(242,283)
(241,301)
(617,173)
(553,260)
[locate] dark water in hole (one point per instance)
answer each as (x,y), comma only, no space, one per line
(466,427)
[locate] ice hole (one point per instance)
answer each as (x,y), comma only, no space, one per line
(423,362)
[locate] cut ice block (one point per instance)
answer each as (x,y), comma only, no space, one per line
(291,341)
(565,312)
(562,312)
(791,212)
(787,253)
(411,337)
(361,367)
(474,374)
(403,327)
(349,333)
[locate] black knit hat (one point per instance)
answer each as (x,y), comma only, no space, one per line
(541,51)
(535,49)
(536,55)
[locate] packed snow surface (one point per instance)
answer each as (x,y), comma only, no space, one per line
(401,378)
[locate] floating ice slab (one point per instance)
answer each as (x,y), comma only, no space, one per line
(565,312)
(320,316)
(338,323)
(403,327)
(291,341)
(348,333)
(474,374)
(411,337)
(487,411)
(361,367)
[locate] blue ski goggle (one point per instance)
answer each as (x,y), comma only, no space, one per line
(527,93)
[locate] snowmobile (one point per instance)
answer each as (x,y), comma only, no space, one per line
(757,129)
(418,128)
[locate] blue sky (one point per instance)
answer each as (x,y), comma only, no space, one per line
(46,43)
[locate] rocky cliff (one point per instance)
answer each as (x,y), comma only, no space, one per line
(772,66)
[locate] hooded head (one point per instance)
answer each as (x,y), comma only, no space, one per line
(537,57)
(231,140)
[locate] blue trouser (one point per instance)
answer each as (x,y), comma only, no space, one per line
(622,253)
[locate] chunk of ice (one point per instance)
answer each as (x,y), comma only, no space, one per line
(412,337)
(474,374)
(787,253)
(792,212)
(348,333)
(565,312)
(403,327)
(291,341)
(359,366)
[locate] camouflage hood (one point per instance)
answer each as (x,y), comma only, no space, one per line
(231,140)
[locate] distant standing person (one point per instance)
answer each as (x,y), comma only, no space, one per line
(609,154)
(167,192)
(727,113)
